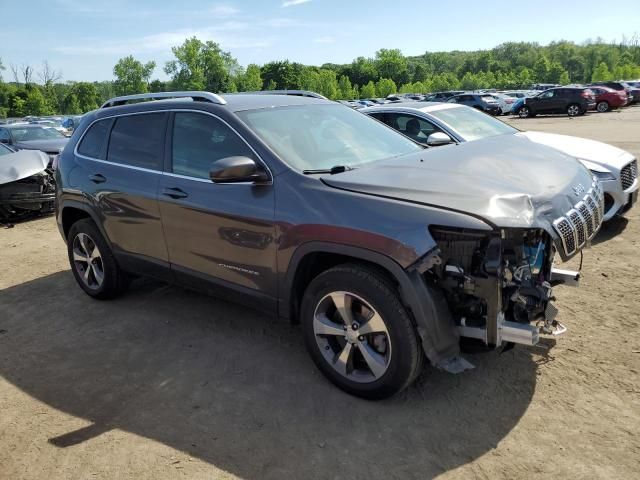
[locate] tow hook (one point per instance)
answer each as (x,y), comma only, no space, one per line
(550,326)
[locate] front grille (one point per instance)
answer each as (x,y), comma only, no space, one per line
(628,174)
(582,222)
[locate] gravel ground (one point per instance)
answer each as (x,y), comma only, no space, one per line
(167,383)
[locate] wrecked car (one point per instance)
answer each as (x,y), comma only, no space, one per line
(27,186)
(385,251)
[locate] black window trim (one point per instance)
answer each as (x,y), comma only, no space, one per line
(169,133)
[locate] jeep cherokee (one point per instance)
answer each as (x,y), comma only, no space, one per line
(384,250)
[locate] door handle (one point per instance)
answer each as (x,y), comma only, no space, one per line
(175,193)
(98,178)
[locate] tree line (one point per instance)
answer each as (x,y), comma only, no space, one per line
(203,65)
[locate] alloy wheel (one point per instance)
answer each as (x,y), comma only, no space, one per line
(603,107)
(523,112)
(87,261)
(352,337)
(573,110)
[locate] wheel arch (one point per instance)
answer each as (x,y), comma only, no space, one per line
(426,306)
(71,211)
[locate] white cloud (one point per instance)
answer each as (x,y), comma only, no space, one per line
(223,10)
(291,3)
(326,39)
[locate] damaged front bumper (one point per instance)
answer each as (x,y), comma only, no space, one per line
(27,196)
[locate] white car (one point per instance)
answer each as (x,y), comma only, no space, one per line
(505,102)
(616,169)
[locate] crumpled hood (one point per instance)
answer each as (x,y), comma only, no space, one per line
(22,164)
(600,153)
(47,145)
(509,181)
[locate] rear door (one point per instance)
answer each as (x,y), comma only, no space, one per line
(220,234)
(121,164)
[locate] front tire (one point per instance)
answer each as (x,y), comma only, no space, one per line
(603,107)
(92,262)
(358,333)
(573,110)
(524,112)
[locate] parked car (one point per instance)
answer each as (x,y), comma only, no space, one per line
(480,101)
(26,185)
(544,86)
(505,101)
(442,96)
(33,137)
(441,124)
(71,123)
(608,98)
(618,87)
(570,100)
(633,89)
(383,250)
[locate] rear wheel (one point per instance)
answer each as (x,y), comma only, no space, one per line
(574,110)
(602,106)
(92,262)
(358,333)
(524,112)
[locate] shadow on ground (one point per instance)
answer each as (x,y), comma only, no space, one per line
(237,389)
(610,229)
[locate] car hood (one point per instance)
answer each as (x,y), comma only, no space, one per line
(22,164)
(602,154)
(47,145)
(508,181)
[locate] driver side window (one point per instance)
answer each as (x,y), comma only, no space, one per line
(199,140)
(548,94)
(418,129)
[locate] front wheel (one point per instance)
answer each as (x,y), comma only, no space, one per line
(358,333)
(524,112)
(602,106)
(573,110)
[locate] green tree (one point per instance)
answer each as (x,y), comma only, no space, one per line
(541,69)
(391,64)
(87,95)
(345,90)
(157,86)
(71,105)
(285,74)
(36,103)
(362,70)
(556,70)
(564,78)
(385,87)
(132,76)
(272,85)
(251,80)
(201,66)
(328,84)
(368,90)
(601,73)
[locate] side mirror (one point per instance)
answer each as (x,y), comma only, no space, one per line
(438,138)
(237,169)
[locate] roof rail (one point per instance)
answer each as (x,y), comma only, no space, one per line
(195,96)
(295,93)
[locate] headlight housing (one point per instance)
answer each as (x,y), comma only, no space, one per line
(603,176)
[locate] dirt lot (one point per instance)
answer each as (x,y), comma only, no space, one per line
(167,383)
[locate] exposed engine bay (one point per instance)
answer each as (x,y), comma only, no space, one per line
(27,185)
(498,286)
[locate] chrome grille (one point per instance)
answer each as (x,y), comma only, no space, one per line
(628,174)
(581,223)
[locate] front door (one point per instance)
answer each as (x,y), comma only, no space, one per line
(216,233)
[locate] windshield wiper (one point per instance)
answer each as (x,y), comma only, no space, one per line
(332,171)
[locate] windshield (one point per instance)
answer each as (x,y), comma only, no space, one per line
(27,134)
(312,137)
(471,124)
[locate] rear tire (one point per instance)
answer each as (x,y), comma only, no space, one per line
(92,262)
(603,107)
(574,110)
(358,333)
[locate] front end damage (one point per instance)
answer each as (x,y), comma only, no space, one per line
(498,285)
(27,186)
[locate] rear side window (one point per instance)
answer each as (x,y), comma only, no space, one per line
(94,142)
(199,140)
(137,140)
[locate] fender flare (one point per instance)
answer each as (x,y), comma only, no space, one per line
(428,307)
(69,203)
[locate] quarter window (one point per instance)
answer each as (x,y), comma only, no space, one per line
(199,140)
(137,140)
(94,142)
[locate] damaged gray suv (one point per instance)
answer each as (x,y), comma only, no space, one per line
(386,252)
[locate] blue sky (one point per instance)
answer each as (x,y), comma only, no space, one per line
(84,38)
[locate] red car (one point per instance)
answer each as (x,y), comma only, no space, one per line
(608,98)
